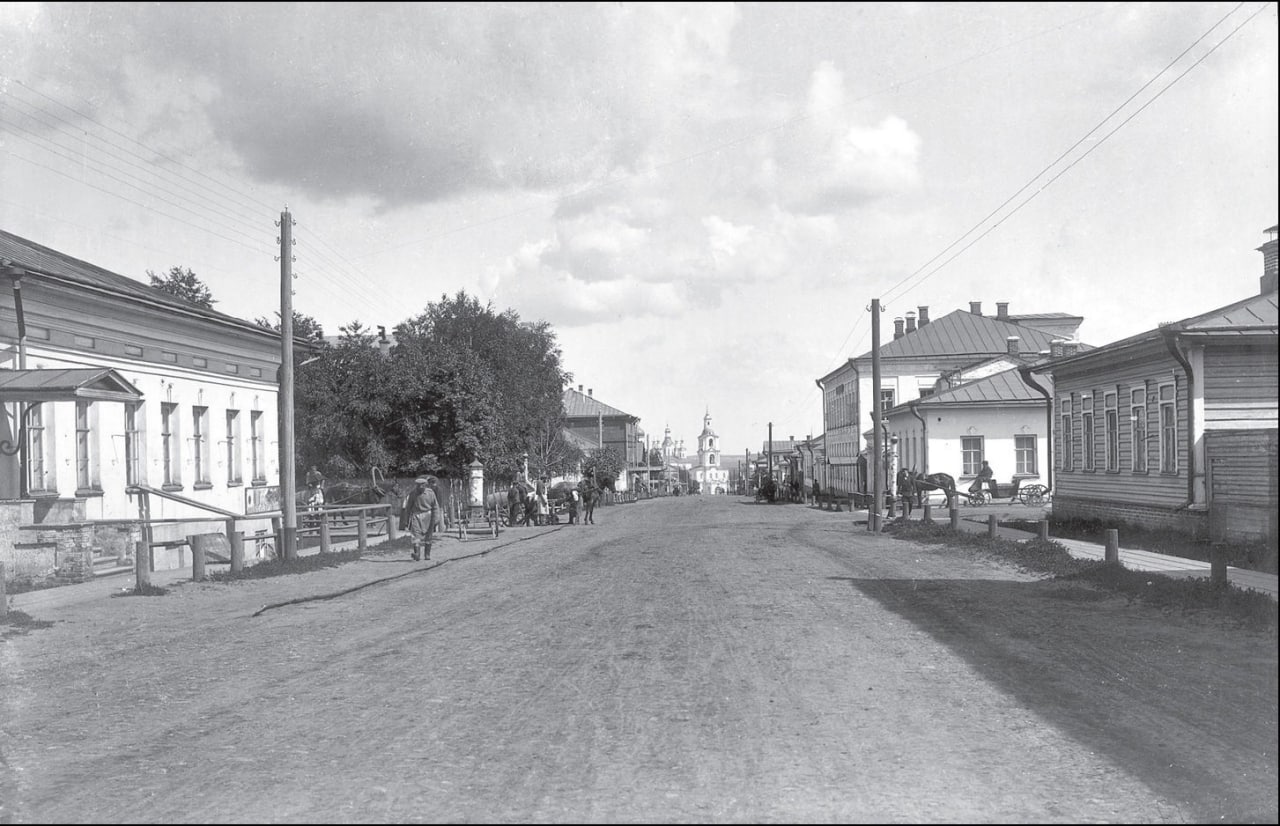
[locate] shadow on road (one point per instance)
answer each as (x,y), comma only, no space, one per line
(1083,660)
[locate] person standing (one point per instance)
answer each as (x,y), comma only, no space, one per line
(573,506)
(423,509)
(544,509)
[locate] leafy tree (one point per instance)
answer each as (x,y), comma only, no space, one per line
(512,387)
(344,418)
(552,453)
(304,326)
(605,465)
(181,282)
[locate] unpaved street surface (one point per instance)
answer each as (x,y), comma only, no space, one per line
(697,659)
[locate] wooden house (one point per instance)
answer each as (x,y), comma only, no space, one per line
(1175,427)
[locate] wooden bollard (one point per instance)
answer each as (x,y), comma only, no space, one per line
(4,598)
(1113,545)
(277,529)
(1044,530)
(236,538)
(928,511)
(992,524)
(141,565)
(1217,565)
(393,527)
(325,542)
(954,514)
(197,558)
(362,531)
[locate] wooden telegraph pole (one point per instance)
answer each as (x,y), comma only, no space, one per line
(288,483)
(877,459)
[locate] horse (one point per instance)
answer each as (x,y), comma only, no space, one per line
(517,503)
(944,482)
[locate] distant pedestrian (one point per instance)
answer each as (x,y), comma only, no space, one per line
(817,492)
(544,508)
(424,510)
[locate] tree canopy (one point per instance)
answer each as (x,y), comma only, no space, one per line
(304,326)
(462,382)
(181,282)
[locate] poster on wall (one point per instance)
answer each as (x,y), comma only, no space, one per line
(262,499)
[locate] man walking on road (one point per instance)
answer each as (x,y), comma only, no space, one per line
(423,508)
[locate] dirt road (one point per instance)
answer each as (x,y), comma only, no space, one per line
(685,659)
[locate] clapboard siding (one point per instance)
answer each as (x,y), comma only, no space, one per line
(1242,484)
(1241,386)
(1146,369)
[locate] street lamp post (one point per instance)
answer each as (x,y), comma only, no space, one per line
(525,457)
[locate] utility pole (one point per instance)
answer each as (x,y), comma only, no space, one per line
(770,450)
(288,483)
(877,459)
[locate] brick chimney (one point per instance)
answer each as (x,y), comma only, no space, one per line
(975,307)
(911,322)
(1002,310)
(579,388)
(924,316)
(1268,250)
(1011,345)
(1055,348)
(1070,348)
(897,329)
(588,391)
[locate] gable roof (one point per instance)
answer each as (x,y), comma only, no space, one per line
(1256,315)
(580,406)
(961,333)
(70,384)
(42,261)
(1006,387)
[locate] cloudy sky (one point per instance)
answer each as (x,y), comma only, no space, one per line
(702,199)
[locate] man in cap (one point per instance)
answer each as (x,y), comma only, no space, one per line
(423,509)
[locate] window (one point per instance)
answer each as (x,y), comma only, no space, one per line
(86,461)
(233,447)
(132,444)
(1168,428)
(886,400)
(200,444)
(971,455)
(255,445)
(1066,457)
(1111,429)
(1086,431)
(37,465)
(1138,431)
(169,443)
(1024,450)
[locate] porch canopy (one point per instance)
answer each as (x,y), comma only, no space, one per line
(62,385)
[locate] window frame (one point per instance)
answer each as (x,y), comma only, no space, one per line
(1024,458)
(1138,430)
(970,467)
(1111,430)
(1088,446)
(1168,427)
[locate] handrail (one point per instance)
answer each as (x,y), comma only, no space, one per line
(164,494)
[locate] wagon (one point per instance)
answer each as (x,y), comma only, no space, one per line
(1030,495)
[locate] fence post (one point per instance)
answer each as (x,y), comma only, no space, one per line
(1113,545)
(237,548)
(928,511)
(393,527)
(1044,530)
(1217,565)
(142,564)
(992,524)
(197,558)
(325,541)
(954,513)
(278,537)
(4,598)
(362,531)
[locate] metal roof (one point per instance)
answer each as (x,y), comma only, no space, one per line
(70,384)
(961,333)
(580,405)
(41,260)
(1002,388)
